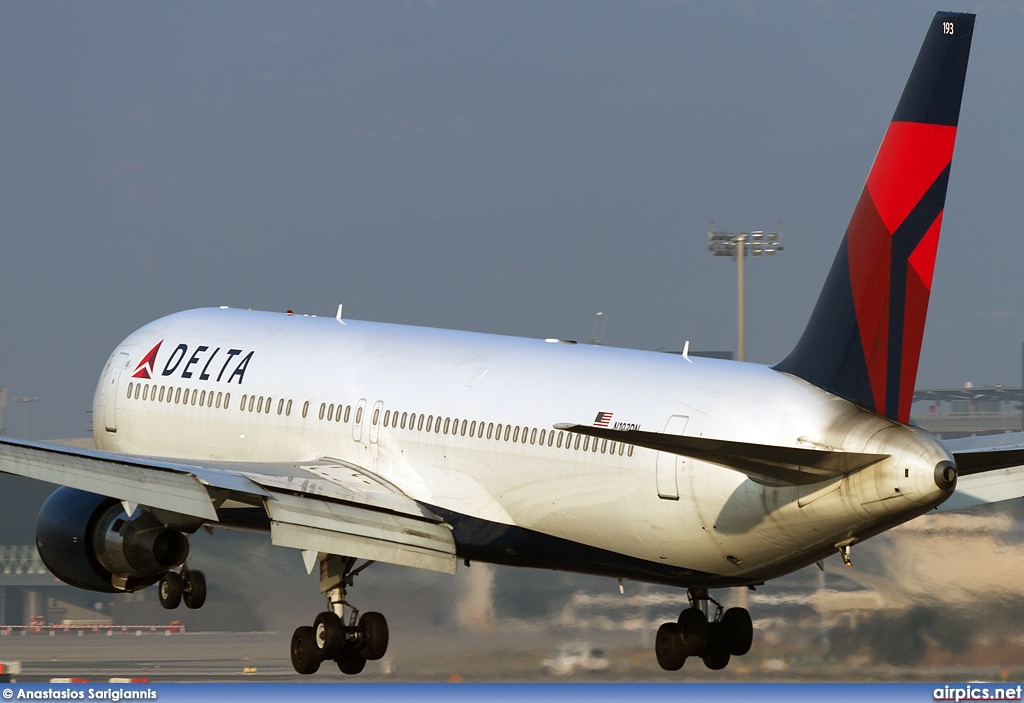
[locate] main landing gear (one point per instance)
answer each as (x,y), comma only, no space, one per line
(349,644)
(729,634)
(188,586)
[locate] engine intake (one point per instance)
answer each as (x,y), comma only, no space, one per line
(88,541)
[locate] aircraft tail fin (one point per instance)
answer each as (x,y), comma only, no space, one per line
(863,340)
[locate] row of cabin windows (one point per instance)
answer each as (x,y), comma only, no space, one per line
(261,404)
(341,413)
(329,413)
(178,396)
(503,432)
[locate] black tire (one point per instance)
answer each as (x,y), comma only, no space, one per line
(374,631)
(716,656)
(351,663)
(668,647)
(194,590)
(328,634)
(305,656)
(693,631)
(739,630)
(169,590)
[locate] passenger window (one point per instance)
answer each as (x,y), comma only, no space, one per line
(177,395)
(323,409)
(462,430)
(280,406)
(244,398)
(161,394)
(359,415)
(604,445)
(288,408)
(611,448)
(259,405)
(576,444)
(305,409)
(252,402)
(220,395)
(447,423)
(559,442)
(266,408)
(543,435)
(533,436)
(227,400)
(348,410)
(330,412)
(508,431)
(202,398)
(515,434)
(376,416)
(490,426)
(131,387)
(630,452)
(404,418)
(419,423)
(145,392)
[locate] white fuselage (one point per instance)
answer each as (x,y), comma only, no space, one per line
(674,519)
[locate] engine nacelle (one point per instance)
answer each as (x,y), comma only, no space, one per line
(88,541)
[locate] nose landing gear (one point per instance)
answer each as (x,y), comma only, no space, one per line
(349,644)
(730,633)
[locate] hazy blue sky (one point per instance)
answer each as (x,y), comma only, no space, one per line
(502,167)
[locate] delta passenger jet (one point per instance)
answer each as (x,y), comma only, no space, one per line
(357,442)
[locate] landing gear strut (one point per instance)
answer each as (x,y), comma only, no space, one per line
(188,586)
(350,641)
(729,633)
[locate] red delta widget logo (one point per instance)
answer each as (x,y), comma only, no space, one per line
(231,363)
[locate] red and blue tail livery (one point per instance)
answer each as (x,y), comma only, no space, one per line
(863,340)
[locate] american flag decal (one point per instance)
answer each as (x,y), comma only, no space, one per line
(602,419)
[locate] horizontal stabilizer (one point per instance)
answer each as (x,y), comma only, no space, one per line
(764,463)
(981,460)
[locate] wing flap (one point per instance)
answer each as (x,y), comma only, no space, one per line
(764,463)
(338,528)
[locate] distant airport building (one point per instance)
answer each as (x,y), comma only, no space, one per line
(968,411)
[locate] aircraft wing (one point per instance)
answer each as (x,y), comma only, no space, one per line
(766,464)
(326,506)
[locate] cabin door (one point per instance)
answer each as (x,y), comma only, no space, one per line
(669,465)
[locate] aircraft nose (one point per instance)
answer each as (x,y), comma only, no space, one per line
(945,475)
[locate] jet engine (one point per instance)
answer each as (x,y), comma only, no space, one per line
(88,541)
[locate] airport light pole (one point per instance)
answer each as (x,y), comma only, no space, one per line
(740,245)
(25,401)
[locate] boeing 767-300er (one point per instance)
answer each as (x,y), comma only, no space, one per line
(358,442)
